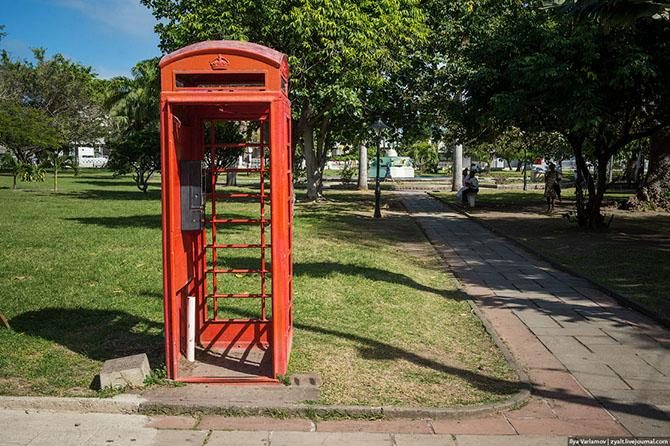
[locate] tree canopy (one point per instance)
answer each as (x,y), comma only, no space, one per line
(338,52)
(67,94)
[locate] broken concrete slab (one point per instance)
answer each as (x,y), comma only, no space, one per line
(129,371)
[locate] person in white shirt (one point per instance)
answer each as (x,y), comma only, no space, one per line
(470,186)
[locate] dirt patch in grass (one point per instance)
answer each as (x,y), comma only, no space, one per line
(631,258)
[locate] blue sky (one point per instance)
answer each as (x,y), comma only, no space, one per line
(109,35)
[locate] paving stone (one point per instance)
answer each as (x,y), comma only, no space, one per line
(634,367)
(392,426)
(641,420)
(330,439)
(656,383)
(118,437)
(587,364)
(216,422)
(536,408)
(610,352)
(552,426)
(651,397)
(126,371)
(561,383)
(660,360)
(171,422)
(221,438)
(423,440)
(536,319)
(596,340)
(507,440)
(579,409)
(567,330)
(592,382)
(60,438)
(495,425)
(564,345)
(180,438)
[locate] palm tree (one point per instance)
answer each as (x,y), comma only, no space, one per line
(134,107)
(58,161)
(13,165)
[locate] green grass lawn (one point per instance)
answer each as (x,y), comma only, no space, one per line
(80,281)
(631,258)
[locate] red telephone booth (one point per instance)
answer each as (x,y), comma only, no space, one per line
(227,269)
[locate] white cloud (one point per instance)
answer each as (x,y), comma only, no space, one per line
(127,16)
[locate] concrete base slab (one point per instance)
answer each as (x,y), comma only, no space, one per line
(123,372)
(217,395)
(330,439)
(239,439)
(423,440)
(505,440)
(180,438)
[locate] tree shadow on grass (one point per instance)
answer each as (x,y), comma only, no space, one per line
(96,334)
(150,221)
(115,194)
(324,269)
(373,349)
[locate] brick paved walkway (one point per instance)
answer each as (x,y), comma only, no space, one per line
(582,350)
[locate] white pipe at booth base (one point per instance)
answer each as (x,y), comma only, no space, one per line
(190,329)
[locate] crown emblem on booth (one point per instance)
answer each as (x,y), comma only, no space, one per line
(220,63)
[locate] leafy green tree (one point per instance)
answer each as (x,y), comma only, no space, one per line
(135,152)
(542,71)
(26,131)
(424,155)
(613,12)
(68,93)
(338,51)
(655,189)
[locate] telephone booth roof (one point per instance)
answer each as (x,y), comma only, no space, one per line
(225,66)
(246,49)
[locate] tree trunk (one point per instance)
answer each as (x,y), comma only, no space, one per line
(362,167)
(231,178)
(525,170)
(610,169)
(656,187)
(639,163)
(314,171)
(457,181)
(55,180)
(14,182)
(596,219)
(583,179)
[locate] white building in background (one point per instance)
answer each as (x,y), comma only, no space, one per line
(91,157)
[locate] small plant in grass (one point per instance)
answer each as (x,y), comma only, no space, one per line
(284,379)
(14,166)
(58,161)
(158,377)
(109,392)
(32,172)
